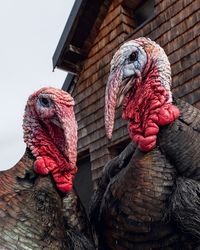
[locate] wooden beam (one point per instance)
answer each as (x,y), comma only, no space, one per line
(75,50)
(70,67)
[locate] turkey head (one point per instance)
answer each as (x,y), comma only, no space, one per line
(140,77)
(50,132)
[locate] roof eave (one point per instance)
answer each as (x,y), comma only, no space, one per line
(67,32)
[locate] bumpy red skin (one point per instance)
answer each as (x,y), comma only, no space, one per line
(147,107)
(49,159)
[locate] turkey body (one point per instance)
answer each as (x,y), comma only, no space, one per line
(33,214)
(148,196)
(140,201)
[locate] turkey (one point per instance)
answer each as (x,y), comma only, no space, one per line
(39,209)
(149,196)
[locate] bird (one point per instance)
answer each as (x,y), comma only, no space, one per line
(39,207)
(148,197)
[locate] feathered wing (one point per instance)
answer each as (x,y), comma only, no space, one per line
(111,169)
(185,205)
(33,214)
(180,143)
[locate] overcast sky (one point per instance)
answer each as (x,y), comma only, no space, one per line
(29,34)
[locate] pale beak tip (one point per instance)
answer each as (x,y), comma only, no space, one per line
(109,135)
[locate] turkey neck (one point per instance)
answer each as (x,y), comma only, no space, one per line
(149,105)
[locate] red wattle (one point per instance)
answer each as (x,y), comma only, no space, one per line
(44,165)
(167,114)
(64,183)
(63,187)
(50,160)
(147,108)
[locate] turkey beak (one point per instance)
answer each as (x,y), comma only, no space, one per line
(111,96)
(67,120)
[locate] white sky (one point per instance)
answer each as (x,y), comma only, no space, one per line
(29,34)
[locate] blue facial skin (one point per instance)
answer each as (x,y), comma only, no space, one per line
(130,59)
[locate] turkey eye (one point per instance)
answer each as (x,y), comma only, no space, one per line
(44,102)
(133,57)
